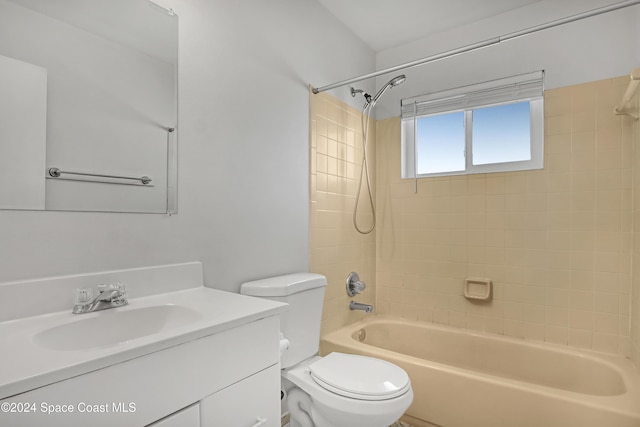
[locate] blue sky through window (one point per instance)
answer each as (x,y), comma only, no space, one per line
(501,134)
(440,143)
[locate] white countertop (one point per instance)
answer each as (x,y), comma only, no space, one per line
(27,365)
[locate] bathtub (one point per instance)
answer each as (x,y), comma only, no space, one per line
(468,379)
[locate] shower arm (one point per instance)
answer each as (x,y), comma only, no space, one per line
(479,45)
(355,91)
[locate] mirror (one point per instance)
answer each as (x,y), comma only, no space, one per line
(88,105)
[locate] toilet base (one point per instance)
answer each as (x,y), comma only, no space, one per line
(290,423)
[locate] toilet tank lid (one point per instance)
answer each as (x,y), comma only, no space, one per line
(280,286)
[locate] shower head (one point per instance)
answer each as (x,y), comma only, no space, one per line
(397,80)
(392,83)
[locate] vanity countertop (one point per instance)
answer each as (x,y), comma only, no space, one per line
(27,364)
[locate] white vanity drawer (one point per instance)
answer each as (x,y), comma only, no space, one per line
(252,402)
(187,417)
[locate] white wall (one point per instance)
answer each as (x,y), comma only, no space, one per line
(637,36)
(243,194)
(591,49)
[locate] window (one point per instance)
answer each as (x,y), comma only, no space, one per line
(490,127)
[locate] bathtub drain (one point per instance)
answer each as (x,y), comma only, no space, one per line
(362,334)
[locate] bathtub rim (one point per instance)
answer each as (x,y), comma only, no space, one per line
(622,403)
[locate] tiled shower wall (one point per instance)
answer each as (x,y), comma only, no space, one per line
(336,248)
(557,243)
(635,291)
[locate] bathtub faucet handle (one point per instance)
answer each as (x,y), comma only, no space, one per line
(354,285)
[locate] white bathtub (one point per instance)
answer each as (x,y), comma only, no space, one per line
(468,379)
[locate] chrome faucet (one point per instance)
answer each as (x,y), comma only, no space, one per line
(359,306)
(111,297)
(354,284)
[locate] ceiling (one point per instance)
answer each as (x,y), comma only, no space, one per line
(384,24)
(137,24)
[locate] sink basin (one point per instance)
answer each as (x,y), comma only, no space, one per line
(112,327)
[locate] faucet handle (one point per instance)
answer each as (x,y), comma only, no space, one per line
(354,285)
(82,296)
(122,288)
(102,287)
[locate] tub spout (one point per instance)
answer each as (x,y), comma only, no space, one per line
(359,306)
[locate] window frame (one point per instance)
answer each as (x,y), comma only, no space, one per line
(409,154)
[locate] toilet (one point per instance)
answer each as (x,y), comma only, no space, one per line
(337,390)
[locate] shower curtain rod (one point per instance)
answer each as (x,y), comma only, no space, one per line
(485,43)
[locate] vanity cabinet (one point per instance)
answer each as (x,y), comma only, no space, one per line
(249,403)
(230,378)
(187,417)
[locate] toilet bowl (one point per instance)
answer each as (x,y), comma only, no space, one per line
(343,390)
(338,390)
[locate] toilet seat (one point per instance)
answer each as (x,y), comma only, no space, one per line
(359,377)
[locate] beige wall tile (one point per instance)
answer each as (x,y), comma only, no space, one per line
(634,324)
(559,243)
(552,240)
(335,248)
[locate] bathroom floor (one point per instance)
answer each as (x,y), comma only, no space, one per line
(397,424)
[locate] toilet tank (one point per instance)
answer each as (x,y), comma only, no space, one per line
(304,292)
